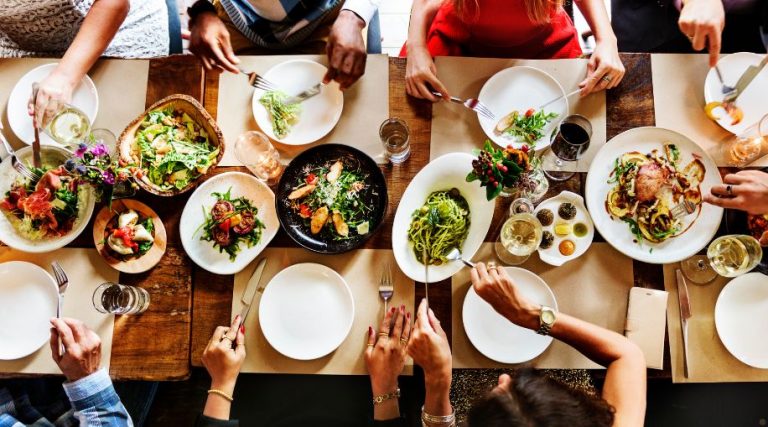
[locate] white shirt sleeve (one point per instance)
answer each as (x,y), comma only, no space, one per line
(362,8)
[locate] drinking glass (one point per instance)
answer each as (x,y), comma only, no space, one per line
(734,255)
(570,142)
(120,299)
(395,136)
(256,153)
(520,235)
(749,145)
(106,137)
(68,125)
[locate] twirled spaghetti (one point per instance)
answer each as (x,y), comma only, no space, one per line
(440,225)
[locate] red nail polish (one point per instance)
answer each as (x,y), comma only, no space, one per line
(242,328)
(370,330)
(408,315)
(392,310)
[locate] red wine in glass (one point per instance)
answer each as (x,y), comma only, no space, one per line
(572,139)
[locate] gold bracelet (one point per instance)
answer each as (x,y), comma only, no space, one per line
(428,420)
(221,393)
(377,400)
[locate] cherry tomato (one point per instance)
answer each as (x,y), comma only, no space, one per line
(311,179)
(225,225)
(305,211)
(530,112)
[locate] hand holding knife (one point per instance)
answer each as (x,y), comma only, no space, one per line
(251,289)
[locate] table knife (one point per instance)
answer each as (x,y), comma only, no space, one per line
(36,144)
(749,74)
(685,314)
(305,94)
(251,289)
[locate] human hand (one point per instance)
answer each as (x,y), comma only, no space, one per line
(221,359)
(604,70)
(385,353)
(82,348)
(702,21)
(749,192)
(209,41)
(429,348)
(421,73)
(346,50)
(496,287)
(53,92)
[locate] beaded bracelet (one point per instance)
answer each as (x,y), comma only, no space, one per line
(428,420)
(384,397)
(221,393)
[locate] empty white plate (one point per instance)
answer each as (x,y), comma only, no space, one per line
(28,300)
(319,114)
(496,337)
(741,321)
(85,97)
(752,100)
(306,311)
(521,88)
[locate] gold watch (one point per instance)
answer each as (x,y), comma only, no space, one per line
(547,319)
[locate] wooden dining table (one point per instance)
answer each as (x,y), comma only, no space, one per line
(188,303)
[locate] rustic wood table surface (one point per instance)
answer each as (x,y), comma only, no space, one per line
(188,302)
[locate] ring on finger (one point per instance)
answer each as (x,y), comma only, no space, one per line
(383,335)
(226,338)
(403,341)
(606,78)
(729,189)
(491,264)
(369,345)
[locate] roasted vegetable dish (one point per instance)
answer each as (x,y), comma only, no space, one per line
(230,222)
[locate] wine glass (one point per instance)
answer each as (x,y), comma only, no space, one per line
(520,234)
(749,145)
(68,125)
(256,153)
(570,142)
(727,256)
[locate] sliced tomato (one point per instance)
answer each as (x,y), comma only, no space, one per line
(311,179)
(225,225)
(530,112)
(305,211)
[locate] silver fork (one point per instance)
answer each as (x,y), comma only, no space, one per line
(62,281)
(682,209)
(17,164)
(727,90)
(473,104)
(255,80)
(386,287)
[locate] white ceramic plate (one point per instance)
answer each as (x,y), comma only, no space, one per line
(752,100)
(740,318)
(50,155)
(616,232)
(319,114)
(552,255)
(202,252)
(521,88)
(496,337)
(306,311)
(28,299)
(444,173)
(85,97)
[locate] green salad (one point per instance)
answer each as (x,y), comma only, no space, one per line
(528,126)
(283,115)
(171,150)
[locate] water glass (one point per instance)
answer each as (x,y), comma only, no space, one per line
(106,137)
(120,299)
(395,136)
(568,145)
(256,153)
(748,146)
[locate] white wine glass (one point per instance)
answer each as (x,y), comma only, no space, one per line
(727,256)
(68,125)
(748,146)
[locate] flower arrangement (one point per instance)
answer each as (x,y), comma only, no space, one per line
(92,164)
(499,168)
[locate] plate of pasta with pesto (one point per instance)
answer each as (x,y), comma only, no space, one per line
(440,211)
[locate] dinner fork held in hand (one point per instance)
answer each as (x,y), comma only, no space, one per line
(386,286)
(62,282)
(682,209)
(473,104)
(259,82)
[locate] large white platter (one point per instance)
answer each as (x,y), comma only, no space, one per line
(616,232)
(496,337)
(307,311)
(85,97)
(319,114)
(740,318)
(28,300)
(202,252)
(444,173)
(521,88)
(752,101)
(50,155)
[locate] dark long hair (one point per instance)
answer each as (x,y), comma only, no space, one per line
(534,400)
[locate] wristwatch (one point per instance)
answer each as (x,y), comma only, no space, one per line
(547,319)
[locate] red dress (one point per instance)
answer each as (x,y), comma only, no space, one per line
(501,29)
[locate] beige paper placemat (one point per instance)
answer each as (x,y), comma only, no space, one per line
(454,128)
(362,270)
(86,270)
(366,105)
(678,102)
(121,84)
(595,287)
(709,361)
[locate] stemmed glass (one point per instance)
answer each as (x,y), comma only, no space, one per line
(570,142)
(520,234)
(728,256)
(67,125)
(749,145)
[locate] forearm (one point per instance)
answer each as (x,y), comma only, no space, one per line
(94,398)
(99,27)
(387,410)
(217,406)
(597,17)
(437,397)
(422,14)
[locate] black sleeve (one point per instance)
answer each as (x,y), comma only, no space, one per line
(203,421)
(394,422)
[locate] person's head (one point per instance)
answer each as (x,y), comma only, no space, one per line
(530,399)
(539,11)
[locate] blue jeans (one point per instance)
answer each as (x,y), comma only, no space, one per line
(174,27)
